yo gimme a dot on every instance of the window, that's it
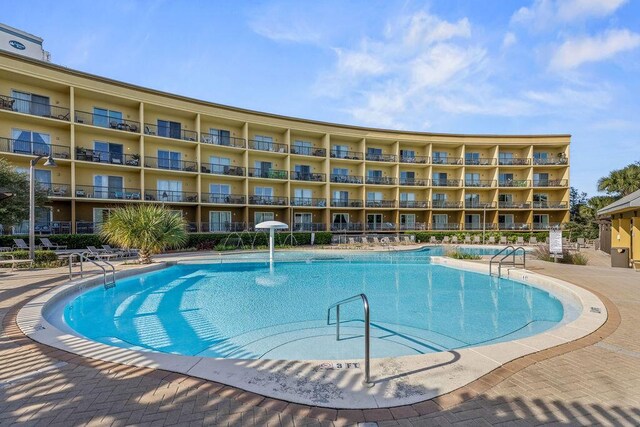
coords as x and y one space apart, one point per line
169 191
108 187
374 153
262 142
407 197
169 159
407 154
100 215
340 151
540 158
219 220
472 158
408 221
540 200
471 179
471 200
374 221
219 164
30 103
540 179
28 142
505 158
302 197
108 152
340 198
169 129
302 172
341 171
440 221
263 191
506 179
219 137
541 220
472 222
106 118
302 147
374 195
339 221
263 216
374 174
439 157
302 221
407 177
219 193
440 179
506 219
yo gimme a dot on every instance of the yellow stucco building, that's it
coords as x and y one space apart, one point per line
226 168
625 225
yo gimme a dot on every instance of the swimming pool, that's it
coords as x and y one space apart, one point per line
243 310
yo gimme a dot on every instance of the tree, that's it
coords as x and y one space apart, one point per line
15 209
576 200
621 182
149 228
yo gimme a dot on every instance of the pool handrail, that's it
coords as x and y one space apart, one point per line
367 330
513 262
84 256
495 256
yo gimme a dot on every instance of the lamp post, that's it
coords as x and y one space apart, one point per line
484 220
32 200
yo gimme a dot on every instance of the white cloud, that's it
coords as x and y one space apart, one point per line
546 13
575 52
283 24
359 62
443 63
509 40
427 29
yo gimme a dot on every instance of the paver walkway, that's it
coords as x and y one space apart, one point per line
596 384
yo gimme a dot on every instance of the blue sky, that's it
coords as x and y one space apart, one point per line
534 66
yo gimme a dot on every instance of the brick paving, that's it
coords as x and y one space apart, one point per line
594 381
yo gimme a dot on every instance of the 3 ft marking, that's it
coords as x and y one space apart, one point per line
340 365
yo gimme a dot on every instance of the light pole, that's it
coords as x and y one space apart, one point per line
484 220
32 200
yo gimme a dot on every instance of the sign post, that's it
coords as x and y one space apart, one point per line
555 244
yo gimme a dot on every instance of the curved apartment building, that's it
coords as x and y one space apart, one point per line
226 168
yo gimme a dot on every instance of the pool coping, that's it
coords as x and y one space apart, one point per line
399 381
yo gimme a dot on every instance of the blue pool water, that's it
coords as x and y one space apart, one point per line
244 310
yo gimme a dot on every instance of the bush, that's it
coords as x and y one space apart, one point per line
425 236
71 241
462 255
208 241
43 259
576 258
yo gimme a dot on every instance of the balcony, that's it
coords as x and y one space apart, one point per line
414 204
348 155
268 200
167 132
268 173
346 179
478 226
308 201
479 205
222 227
106 193
414 226
55 190
415 159
306 176
516 226
447 161
222 140
382 226
547 226
34 108
414 181
550 182
43 227
309 226
480 183
550 205
347 226
553 161
446 182
87 227
309 151
381 180
445 204
221 169
381 157
17 146
480 162
380 204
176 165
167 196
106 121
346 203
514 205
514 183
221 198
108 157
514 162
445 226
273 147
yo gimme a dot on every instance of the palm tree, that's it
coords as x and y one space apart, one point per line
621 182
149 228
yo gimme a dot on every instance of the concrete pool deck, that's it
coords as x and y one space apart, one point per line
120 394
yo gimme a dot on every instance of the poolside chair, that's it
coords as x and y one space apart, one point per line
533 240
467 239
100 254
445 240
120 252
581 243
520 240
454 240
476 240
396 240
47 244
503 240
20 244
10 260
407 240
433 240
492 240
375 241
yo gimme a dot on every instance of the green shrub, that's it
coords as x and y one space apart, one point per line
542 253
71 241
462 255
42 259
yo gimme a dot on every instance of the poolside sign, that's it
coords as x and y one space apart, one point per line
555 243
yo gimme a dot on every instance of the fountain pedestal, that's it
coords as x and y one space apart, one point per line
272 226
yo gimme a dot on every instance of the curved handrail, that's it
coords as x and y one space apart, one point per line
83 256
367 332
513 253
495 256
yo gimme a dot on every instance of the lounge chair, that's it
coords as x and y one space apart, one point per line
520 240
407 240
20 244
120 252
9 259
100 254
467 239
533 240
492 240
454 240
396 240
581 243
433 240
503 240
476 240
47 244
375 241
445 240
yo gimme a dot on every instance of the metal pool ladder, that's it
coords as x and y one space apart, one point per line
84 256
367 330
513 262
